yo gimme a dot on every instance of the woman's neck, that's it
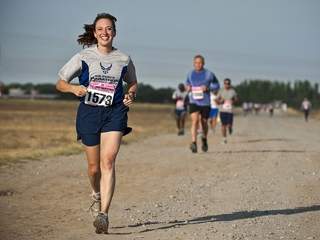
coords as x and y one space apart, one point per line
105 49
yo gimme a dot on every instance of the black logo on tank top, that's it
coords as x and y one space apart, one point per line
105 70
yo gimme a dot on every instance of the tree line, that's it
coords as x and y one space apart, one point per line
292 93
261 91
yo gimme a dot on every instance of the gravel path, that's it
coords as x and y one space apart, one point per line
263 184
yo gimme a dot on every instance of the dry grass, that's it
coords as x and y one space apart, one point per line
314 114
35 129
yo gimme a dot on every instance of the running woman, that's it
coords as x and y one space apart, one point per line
102 114
306 106
199 83
214 107
227 96
179 96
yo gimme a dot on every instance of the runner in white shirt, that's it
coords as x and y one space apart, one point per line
179 96
306 106
214 107
102 113
245 108
226 98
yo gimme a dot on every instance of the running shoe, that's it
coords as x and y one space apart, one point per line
180 132
193 147
101 223
204 145
95 204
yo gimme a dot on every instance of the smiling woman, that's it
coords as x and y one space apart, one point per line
102 113
93 31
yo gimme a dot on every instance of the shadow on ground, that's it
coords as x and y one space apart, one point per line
226 217
267 140
261 151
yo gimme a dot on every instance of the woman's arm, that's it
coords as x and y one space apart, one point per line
65 87
68 72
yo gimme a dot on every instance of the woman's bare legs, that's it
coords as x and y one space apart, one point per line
110 144
94 173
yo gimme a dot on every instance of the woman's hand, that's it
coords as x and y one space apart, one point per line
79 91
131 95
128 99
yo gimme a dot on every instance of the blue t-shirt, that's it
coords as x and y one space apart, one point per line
203 78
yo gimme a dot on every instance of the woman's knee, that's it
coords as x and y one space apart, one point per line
93 169
107 163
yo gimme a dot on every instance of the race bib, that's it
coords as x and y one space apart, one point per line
227 105
197 93
100 94
180 104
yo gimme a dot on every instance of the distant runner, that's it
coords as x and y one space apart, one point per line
214 107
270 109
245 108
199 82
226 98
179 96
257 108
306 107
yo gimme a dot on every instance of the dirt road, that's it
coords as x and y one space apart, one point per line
264 184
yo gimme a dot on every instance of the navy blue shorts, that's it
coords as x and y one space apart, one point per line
93 120
226 118
180 112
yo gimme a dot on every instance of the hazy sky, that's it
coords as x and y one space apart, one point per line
270 39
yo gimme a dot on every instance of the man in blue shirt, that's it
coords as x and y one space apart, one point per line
199 83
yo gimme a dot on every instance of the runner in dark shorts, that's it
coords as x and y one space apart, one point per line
180 97
214 108
306 106
227 96
199 83
102 113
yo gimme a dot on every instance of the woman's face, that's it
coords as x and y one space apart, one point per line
104 32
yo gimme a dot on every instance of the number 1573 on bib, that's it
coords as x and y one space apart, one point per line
98 98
